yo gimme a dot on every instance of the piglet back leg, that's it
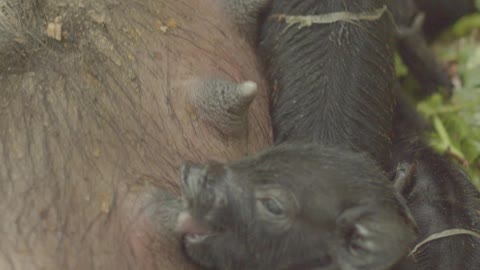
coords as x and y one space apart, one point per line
430 73
414 50
422 62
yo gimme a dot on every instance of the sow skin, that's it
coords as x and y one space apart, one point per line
94 125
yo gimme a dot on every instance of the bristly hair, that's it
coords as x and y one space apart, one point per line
334 82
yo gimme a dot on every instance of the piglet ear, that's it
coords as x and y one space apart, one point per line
374 237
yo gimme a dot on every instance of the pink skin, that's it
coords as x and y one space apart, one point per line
90 138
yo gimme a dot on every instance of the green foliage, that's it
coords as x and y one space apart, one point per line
456 129
456 122
465 25
400 68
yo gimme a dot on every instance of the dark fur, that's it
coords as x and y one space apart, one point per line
440 196
333 82
324 212
443 13
430 73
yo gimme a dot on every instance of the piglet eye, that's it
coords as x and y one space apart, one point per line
273 206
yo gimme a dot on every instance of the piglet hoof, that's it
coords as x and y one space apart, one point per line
224 104
245 15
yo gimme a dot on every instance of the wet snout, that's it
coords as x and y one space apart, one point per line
204 200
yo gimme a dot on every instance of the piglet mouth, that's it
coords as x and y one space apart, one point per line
202 201
192 230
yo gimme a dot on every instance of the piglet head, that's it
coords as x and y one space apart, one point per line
293 207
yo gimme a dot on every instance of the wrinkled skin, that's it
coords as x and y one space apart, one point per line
93 129
332 82
430 73
289 207
440 196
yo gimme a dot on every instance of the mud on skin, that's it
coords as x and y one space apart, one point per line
94 127
289 207
332 82
440 196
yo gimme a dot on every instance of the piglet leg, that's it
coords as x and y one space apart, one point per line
421 61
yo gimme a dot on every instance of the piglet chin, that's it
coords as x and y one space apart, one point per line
193 231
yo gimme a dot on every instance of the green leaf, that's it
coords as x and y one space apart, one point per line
400 67
466 25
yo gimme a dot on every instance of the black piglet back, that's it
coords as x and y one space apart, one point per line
332 82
